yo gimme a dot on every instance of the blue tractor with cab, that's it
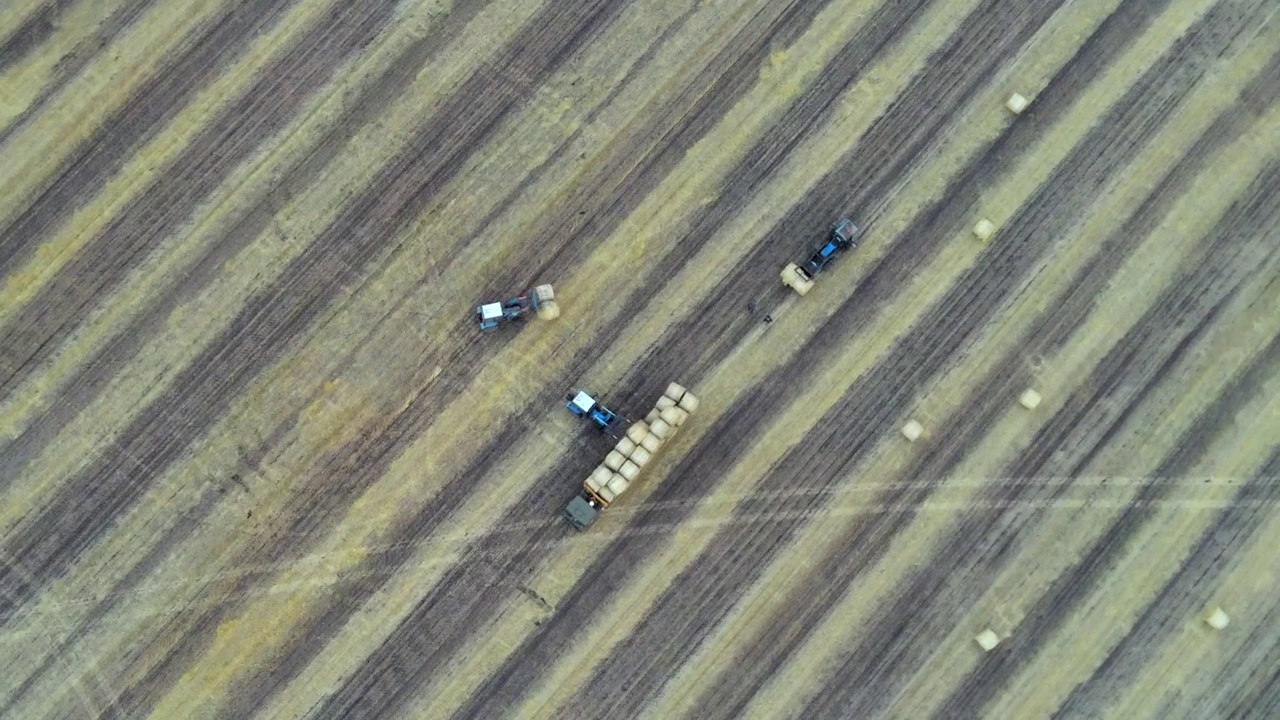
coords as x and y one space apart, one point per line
844 236
584 406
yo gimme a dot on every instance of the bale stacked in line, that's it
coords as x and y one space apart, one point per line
643 439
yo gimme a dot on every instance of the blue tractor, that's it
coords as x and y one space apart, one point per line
844 236
540 301
585 406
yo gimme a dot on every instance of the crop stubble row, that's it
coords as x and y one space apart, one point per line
672 625
447 618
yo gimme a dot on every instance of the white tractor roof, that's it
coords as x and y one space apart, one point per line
584 401
490 311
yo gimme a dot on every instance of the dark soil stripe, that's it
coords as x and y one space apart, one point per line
168 203
542 503
688 625
1256 693
184 527
813 598
352 469
70 65
95 374
440 150
31 33
88 504
1185 593
210 48
525 665
988 538
1174 603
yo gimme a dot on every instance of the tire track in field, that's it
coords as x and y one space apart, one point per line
70 65
867 177
499 545
1254 501
404 199
763 657
212 48
170 539
1090 175
95 374
87 505
985 541
354 467
364 462
1051 334
489 693
542 501
536 506
206 161
1188 588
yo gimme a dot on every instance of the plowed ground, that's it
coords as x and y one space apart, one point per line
256 460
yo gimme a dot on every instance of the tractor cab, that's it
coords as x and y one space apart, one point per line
843 237
585 406
491 315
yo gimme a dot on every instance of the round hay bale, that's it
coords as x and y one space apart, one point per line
988 640
599 477
637 431
1029 399
912 430
651 443
617 485
689 403
661 428
1218 619
614 460
629 470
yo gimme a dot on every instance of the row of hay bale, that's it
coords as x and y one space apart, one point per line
640 443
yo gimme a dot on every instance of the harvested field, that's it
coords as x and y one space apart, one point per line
257 460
